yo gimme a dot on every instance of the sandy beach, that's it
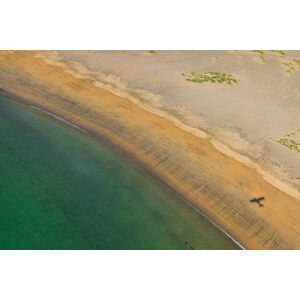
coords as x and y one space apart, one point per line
215 169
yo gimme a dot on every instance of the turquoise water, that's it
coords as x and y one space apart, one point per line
61 190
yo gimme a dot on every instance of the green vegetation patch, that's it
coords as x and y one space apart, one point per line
288 142
258 51
213 77
281 52
261 55
297 61
152 51
291 144
291 66
262 59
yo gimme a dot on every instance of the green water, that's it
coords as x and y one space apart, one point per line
61 190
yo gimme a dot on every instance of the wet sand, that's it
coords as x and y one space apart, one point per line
213 182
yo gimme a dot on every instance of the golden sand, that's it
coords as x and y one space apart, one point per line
216 184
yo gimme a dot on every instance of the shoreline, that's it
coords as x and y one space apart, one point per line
207 179
60 119
135 211
177 195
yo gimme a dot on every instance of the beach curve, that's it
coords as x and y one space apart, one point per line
221 194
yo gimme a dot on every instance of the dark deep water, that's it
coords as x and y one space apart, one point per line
61 190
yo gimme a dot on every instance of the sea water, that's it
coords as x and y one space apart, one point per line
59 189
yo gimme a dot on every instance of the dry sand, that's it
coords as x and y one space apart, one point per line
246 118
187 158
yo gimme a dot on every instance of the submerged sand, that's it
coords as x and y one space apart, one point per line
186 158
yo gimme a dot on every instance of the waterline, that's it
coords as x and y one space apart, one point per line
62 190
60 119
193 207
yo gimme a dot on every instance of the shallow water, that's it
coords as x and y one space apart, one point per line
61 190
